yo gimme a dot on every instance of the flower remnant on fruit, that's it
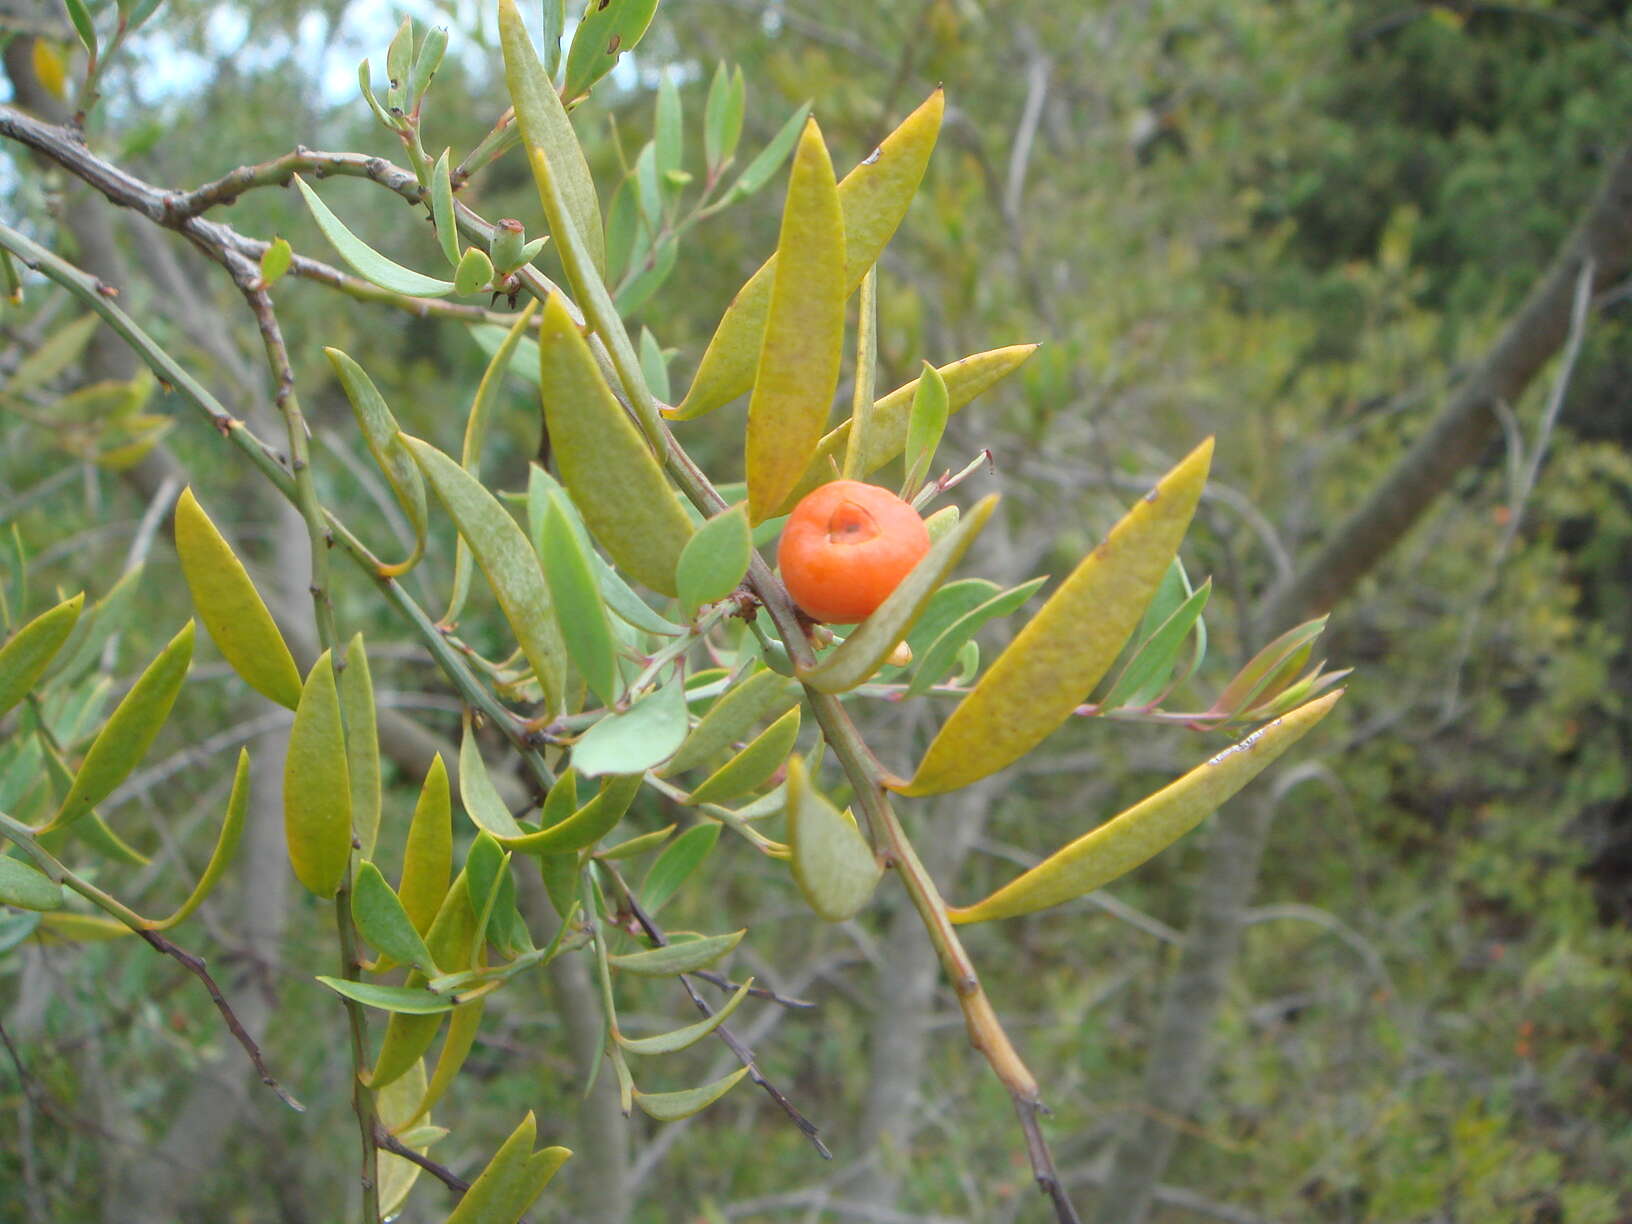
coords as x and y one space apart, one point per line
846 546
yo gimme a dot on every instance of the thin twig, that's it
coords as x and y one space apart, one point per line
386 1141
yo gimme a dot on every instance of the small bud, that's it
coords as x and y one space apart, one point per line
509 238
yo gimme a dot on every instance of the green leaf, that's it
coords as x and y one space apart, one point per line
1146 676
60 349
587 825
890 417
653 364
426 62
676 864
233 612
674 958
394 1107
14 928
644 735
714 560
83 25
635 846
463 1027
873 199
608 29
930 408
942 653
481 800
427 860
833 865
610 472
684 1038
399 56
769 160
579 609
864 651
753 766
508 562
722 117
364 259
555 24
383 438
673 1106
474 273
668 127
1057 658
226 845
470 456
804 332
1149 827
365 86
655 269
557 158
384 922
317 786
759 696
275 261
130 730
26 888
362 745
27 653
447 229
402 1000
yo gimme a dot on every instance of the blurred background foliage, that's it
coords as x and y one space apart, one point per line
1293 223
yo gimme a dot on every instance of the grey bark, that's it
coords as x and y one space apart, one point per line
1178 1063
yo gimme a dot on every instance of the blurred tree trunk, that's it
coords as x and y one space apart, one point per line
1177 1065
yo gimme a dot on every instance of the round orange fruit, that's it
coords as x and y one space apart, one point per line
846 546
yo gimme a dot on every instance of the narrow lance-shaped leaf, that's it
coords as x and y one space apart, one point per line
803 341
675 958
674 1106
364 259
865 650
873 198
579 609
714 560
753 766
833 865
546 129
394 1107
690 1035
1147 673
447 230
384 441
722 117
1057 658
29 651
890 417
762 695
930 408
317 786
130 730
1252 678
616 483
644 735
506 559
90 828
943 650
410 1034
233 612
676 864
427 861
226 845
1144 830
362 745
384 922
413 1001
483 805
470 455
59 350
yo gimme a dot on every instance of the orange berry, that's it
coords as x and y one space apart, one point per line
846 546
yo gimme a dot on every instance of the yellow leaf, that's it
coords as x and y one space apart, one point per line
51 67
1150 826
1065 650
232 610
626 501
873 199
804 332
317 786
